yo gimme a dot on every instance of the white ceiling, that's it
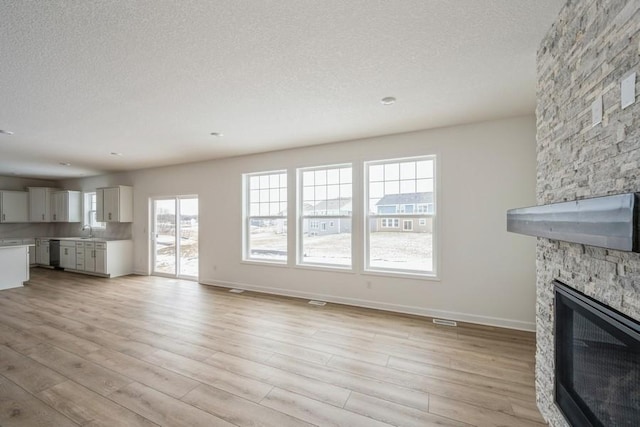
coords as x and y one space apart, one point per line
153 78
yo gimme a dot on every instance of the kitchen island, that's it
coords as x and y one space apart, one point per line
14 266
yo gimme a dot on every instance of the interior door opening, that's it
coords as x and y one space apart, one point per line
175 237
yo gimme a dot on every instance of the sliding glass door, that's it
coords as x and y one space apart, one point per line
175 236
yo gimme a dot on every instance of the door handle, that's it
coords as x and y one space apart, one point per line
43 217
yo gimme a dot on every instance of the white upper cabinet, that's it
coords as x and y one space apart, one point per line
66 206
40 204
114 204
14 206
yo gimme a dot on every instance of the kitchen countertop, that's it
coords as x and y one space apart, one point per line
87 239
17 242
30 241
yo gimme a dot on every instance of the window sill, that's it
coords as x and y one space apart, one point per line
329 268
264 263
404 275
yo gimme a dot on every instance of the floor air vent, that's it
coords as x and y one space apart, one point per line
318 303
236 291
444 322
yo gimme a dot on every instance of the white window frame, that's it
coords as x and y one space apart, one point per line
246 249
316 218
87 218
429 212
389 223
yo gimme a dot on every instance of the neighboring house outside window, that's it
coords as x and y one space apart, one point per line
400 192
419 203
325 209
265 225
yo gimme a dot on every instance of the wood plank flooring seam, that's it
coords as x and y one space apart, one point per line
336 407
105 397
347 400
36 397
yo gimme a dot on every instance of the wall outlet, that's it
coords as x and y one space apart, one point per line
368 284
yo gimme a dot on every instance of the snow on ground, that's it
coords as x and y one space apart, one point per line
389 250
395 250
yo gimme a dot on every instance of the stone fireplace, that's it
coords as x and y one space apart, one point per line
592 47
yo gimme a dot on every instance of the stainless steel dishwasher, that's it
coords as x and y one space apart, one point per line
54 253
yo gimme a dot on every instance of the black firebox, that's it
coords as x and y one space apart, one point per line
597 362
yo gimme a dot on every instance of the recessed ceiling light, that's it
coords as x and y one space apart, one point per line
216 134
65 163
6 132
113 153
388 100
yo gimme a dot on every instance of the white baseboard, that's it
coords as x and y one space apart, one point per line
140 272
397 308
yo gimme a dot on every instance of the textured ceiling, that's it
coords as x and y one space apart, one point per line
152 79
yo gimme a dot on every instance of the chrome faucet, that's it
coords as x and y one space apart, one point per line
84 227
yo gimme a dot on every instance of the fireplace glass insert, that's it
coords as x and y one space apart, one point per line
597 380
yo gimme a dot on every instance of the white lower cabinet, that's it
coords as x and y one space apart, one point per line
110 259
32 254
89 257
42 251
80 265
68 254
100 254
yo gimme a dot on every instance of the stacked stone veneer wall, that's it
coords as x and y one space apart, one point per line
591 47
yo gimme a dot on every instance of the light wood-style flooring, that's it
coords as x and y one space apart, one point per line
80 350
